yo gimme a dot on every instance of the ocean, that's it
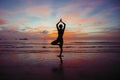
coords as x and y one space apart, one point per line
70 46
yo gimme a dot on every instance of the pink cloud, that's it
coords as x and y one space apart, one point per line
13 28
70 17
74 18
75 13
39 11
80 17
2 21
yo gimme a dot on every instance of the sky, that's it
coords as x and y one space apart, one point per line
36 19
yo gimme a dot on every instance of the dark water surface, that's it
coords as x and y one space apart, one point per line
36 60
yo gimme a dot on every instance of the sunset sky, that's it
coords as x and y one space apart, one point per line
85 19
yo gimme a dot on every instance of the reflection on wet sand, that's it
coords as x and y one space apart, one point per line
59 71
73 66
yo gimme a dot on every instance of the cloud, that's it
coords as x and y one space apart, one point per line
84 12
79 12
67 35
91 14
2 21
11 34
3 12
32 29
100 23
11 28
92 3
39 11
44 32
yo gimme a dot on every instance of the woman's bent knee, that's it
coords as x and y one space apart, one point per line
54 43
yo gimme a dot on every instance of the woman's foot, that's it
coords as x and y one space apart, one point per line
60 56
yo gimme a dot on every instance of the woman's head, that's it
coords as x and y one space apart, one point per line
60 26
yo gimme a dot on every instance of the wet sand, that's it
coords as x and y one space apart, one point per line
75 65
83 66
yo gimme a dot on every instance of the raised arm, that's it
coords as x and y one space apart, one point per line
64 25
57 25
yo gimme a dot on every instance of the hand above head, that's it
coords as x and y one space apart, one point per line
61 20
57 25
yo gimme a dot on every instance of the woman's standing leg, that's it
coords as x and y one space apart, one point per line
61 47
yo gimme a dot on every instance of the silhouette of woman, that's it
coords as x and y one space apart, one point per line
59 40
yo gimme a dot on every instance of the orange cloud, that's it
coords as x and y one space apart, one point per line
67 34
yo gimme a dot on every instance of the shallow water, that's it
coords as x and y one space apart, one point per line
36 60
38 46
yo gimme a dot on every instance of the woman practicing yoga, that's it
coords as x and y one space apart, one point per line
59 40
